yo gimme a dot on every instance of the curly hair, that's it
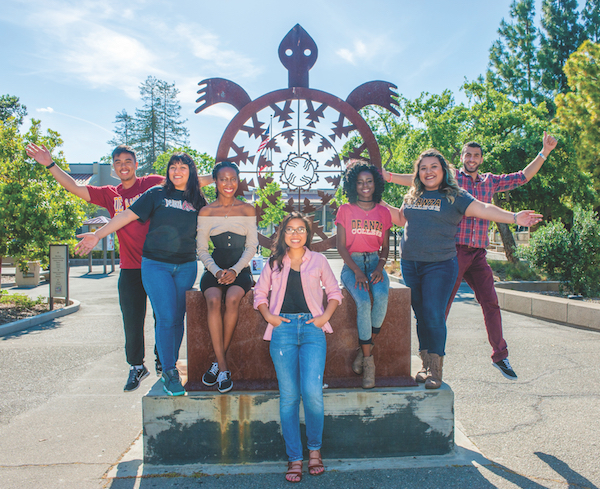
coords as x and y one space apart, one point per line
351 176
279 248
449 186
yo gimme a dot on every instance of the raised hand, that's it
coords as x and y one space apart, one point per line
39 154
549 142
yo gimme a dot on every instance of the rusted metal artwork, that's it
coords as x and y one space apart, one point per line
295 134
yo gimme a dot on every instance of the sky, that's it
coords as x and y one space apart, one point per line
76 64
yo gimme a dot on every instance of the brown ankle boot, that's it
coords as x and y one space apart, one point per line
422 374
357 364
436 363
368 381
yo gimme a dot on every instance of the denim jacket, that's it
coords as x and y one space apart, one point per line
314 271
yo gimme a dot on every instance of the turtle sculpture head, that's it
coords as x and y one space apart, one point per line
298 53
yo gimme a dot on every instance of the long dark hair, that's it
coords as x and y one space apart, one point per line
192 193
351 176
449 186
279 248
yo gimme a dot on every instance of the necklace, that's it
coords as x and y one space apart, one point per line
230 207
369 201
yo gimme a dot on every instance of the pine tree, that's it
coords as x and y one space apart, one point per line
157 126
561 36
591 20
10 107
513 65
124 130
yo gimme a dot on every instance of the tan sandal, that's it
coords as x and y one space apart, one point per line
294 471
315 463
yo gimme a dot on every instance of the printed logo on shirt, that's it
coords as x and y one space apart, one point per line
180 204
118 203
425 205
367 227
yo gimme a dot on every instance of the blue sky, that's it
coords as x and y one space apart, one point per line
76 64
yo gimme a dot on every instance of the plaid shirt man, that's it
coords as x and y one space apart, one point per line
473 232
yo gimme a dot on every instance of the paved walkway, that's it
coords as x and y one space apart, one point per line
65 421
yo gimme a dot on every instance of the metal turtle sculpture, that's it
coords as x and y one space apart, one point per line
286 125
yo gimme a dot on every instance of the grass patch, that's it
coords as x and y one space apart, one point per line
506 271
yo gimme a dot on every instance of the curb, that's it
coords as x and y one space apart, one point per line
572 313
565 311
22 324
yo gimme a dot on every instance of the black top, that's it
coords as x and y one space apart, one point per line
294 301
171 236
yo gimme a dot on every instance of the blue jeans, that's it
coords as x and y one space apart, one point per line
166 284
368 318
430 285
298 352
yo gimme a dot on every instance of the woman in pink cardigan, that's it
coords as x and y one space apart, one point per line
297 324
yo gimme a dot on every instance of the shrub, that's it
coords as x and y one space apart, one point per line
573 257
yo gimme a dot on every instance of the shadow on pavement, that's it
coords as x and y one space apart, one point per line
49 325
574 479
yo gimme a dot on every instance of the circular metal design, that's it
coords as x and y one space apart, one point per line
299 171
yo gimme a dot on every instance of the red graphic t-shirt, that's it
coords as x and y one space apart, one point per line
364 230
116 200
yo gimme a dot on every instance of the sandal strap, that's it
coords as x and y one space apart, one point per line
295 469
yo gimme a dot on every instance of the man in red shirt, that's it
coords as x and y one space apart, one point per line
132 296
472 238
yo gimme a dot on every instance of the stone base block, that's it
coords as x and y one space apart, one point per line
243 427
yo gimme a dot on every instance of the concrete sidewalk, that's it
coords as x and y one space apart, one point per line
65 421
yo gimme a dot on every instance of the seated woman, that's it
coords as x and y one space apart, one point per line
231 225
432 209
295 277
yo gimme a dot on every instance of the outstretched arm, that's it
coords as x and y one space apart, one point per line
89 240
397 214
397 178
492 213
43 157
549 143
205 180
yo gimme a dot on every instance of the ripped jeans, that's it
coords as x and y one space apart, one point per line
298 352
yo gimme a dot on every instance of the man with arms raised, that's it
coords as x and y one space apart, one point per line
132 296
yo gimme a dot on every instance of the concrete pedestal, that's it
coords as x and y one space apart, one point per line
243 427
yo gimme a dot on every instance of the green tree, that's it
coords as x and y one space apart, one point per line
513 65
578 111
269 206
156 127
10 107
591 20
124 129
561 36
569 255
35 210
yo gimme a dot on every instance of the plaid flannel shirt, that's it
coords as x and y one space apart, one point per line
472 231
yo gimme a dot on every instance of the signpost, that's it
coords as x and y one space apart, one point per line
59 273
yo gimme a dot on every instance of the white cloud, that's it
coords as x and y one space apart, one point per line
363 51
47 109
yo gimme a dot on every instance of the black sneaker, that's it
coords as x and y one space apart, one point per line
136 375
172 383
210 377
158 367
225 383
506 369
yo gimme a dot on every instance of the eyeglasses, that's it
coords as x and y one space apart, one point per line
300 230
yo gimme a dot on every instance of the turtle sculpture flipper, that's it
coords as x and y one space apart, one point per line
217 90
374 93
